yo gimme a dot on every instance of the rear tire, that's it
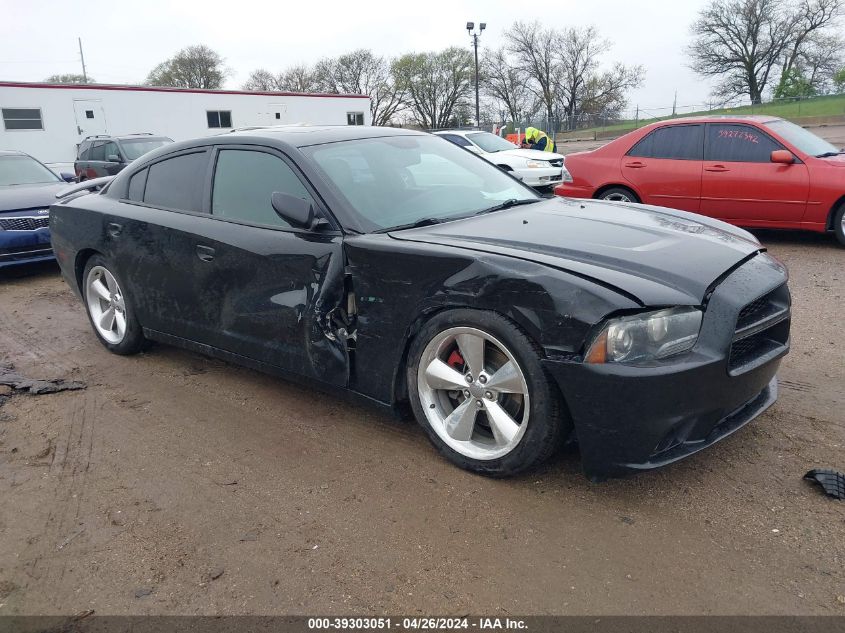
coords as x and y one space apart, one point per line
109 309
511 421
839 224
618 194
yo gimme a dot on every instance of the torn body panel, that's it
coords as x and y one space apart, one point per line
399 284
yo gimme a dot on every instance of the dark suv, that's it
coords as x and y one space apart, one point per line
106 155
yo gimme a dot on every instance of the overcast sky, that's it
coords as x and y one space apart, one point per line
123 40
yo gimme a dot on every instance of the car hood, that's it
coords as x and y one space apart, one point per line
656 255
528 154
26 197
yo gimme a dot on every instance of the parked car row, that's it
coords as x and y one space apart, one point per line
28 188
751 171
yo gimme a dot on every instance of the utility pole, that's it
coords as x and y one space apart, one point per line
675 105
475 36
82 57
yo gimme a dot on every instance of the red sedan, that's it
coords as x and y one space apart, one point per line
753 171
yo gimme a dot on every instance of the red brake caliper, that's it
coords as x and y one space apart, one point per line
456 361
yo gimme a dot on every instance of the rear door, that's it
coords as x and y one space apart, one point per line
154 238
741 183
665 166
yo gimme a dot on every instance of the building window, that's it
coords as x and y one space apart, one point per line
89 114
354 118
22 119
219 118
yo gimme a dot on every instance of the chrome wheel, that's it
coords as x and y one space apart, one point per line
617 196
473 392
106 305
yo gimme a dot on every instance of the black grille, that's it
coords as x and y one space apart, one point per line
762 331
24 224
557 162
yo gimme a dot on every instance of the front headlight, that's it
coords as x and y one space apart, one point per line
537 164
646 337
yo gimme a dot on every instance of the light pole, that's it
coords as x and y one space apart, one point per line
475 36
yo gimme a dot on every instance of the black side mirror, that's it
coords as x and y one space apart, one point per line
298 212
68 177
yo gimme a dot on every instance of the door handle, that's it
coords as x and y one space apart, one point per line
205 253
114 229
717 168
635 165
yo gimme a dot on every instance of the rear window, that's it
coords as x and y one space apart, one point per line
177 183
675 142
135 148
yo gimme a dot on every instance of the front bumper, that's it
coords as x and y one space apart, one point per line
25 247
541 176
634 418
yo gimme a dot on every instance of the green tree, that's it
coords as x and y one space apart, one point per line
192 67
70 78
437 83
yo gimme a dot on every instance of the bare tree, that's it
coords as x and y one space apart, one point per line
606 92
70 78
436 83
535 50
261 80
505 85
362 72
743 43
298 78
192 67
809 22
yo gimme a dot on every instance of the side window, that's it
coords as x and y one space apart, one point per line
110 150
245 180
676 142
177 183
739 144
457 140
136 186
84 150
97 151
354 118
219 118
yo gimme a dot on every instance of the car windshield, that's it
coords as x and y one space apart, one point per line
135 148
802 139
24 170
396 181
490 142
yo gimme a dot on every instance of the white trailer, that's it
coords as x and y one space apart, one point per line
48 121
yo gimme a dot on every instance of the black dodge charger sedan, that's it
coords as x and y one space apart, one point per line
397 267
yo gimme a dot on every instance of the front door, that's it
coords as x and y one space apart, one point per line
273 292
741 183
665 166
90 118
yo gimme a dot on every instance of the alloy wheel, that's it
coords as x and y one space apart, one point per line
617 196
474 393
106 304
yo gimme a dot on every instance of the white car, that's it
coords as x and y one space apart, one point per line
535 168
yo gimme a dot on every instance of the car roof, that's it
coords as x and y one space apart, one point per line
12 152
460 132
717 118
305 135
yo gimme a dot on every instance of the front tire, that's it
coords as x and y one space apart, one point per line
480 393
839 224
109 310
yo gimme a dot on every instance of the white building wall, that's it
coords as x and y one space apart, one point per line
178 114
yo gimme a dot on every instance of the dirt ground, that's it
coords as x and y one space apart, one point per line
175 484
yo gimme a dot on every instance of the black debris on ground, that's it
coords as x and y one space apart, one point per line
831 481
34 386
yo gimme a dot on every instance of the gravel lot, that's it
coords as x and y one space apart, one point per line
179 484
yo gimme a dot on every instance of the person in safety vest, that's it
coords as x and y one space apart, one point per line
537 139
